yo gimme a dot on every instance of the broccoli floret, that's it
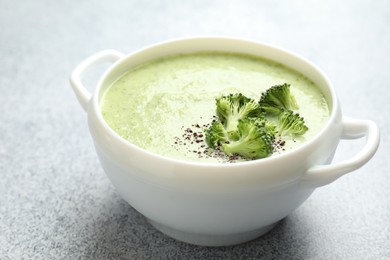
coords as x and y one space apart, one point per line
232 108
269 126
291 123
215 135
253 142
248 129
277 99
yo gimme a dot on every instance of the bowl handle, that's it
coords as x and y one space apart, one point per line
352 129
82 94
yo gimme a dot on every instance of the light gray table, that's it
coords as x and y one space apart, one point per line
55 200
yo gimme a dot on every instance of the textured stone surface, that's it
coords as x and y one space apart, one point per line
55 201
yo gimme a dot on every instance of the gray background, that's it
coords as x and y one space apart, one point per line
55 200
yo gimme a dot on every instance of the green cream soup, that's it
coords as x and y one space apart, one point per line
164 106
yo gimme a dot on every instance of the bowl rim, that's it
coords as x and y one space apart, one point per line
333 103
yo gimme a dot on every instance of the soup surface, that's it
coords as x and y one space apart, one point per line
164 105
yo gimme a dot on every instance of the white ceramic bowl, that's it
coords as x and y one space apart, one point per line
218 204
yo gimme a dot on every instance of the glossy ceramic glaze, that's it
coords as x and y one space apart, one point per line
219 204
